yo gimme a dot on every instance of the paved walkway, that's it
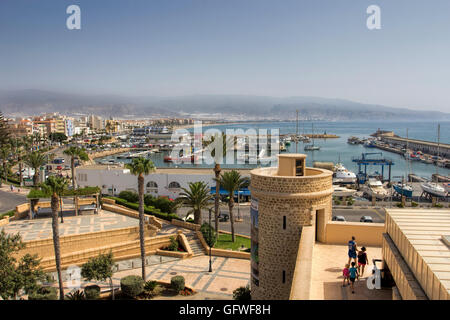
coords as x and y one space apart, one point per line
41 228
228 274
326 277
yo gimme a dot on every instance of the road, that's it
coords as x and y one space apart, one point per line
351 215
9 201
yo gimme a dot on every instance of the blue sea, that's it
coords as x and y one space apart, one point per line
333 150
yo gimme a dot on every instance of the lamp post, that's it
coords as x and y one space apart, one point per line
210 263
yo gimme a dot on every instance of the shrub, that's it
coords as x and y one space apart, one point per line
173 244
210 237
190 220
44 293
414 204
438 205
177 283
76 295
150 285
242 293
337 202
147 209
129 196
92 292
164 204
400 205
132 286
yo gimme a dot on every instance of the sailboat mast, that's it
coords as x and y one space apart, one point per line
296 135
438 138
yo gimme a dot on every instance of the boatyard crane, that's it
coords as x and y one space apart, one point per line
365 161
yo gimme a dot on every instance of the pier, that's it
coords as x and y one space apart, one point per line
420 145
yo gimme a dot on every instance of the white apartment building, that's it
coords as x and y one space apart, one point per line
112 179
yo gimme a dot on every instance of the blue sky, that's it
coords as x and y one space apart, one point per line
257 47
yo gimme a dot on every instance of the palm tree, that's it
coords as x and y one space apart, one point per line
232 181
75 153
35 160
56 187
225 141
5 152
140 167
20 149
197 197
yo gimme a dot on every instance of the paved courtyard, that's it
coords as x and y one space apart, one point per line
326 277
41 228
227 275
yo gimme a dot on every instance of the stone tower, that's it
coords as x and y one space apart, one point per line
284 200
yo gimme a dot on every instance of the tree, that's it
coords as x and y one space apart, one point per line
226 143
57 137
56 186
140 167
75 153
232 181
35 160
197 198
15 276
5 131
5 152
99 268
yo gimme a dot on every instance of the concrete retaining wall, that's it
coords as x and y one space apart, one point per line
366 234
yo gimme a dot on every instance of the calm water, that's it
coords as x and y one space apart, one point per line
333 149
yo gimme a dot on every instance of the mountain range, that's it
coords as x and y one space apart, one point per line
34 102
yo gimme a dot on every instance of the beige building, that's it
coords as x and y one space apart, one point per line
416 253
288 203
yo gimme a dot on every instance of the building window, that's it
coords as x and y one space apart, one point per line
152 184
174 185
284 276
284 222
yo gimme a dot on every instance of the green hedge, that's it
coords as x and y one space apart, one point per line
132 286
10 213
92 292
86 191
147 209
44 293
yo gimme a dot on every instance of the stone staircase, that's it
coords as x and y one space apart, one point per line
195 245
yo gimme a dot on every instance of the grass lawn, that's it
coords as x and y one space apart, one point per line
224 242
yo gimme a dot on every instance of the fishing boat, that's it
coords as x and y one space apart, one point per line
375 188
342 175
353 140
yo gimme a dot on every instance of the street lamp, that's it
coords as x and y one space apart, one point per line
210 263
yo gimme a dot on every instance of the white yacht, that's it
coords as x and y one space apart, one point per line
342 175
375 187
343 191
434 189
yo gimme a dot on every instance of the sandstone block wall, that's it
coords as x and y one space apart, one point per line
297 199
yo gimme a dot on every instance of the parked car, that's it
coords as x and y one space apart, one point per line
224 217
58 168
366 219
338 218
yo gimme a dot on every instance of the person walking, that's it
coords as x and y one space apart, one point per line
352 249
346 274
362 260
353 275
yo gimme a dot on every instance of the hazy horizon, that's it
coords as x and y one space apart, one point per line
260 48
